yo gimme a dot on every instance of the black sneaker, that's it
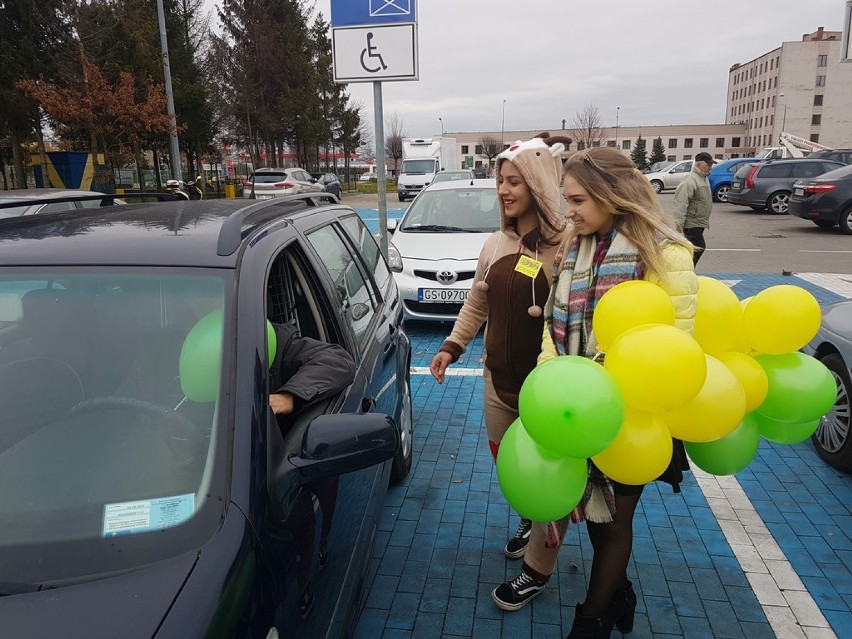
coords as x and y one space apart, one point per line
322 558
306 602
517 545
514 595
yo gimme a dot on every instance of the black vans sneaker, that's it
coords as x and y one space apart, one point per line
514 595
517 545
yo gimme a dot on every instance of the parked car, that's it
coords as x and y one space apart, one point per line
435 246
669 177
657 166
721 176
825 200
142 471
33 201
843 156
767 185
448 176
266 183
479 172
833 347
330 182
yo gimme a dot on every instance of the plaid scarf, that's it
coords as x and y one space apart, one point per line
590 267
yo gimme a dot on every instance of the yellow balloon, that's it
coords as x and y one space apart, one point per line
718 316
750 374
714 412
640 453
628 305
741 344
781 319
658 367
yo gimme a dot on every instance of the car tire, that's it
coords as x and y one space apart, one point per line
832 439
721 193
402 460
778 202
823 224
658 186
846 221
401 199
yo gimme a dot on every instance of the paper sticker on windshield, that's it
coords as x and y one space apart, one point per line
133 517
528 266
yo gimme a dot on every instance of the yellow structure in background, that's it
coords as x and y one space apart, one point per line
230 190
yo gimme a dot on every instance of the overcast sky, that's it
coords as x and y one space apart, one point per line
660 61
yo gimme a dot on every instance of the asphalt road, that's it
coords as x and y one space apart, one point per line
742 241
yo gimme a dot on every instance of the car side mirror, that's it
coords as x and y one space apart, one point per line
359 311
392 224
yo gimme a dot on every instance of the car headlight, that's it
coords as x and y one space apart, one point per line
394 258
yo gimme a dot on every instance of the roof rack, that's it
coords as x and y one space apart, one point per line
230 235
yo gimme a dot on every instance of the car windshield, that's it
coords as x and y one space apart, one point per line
13 211
268 178
107 440
454 210
418 166
448 176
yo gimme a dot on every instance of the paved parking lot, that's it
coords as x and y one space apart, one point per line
765 553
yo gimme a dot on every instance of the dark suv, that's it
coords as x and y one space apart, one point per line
843 156
146 488
767 185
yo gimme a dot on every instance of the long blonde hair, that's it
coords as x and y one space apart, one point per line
618 188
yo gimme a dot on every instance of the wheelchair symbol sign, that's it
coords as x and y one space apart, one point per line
375 53
371 60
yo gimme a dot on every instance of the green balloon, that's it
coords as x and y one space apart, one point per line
731 453
801 388
271 342
539 485
200 360
571 406
785 432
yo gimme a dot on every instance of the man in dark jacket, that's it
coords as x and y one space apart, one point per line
306 370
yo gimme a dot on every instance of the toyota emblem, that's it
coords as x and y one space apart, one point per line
447 277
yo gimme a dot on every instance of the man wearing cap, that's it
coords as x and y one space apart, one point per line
693 203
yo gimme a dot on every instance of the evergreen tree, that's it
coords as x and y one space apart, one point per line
658 152
639 154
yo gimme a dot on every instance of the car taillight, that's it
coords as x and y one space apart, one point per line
283 185
816 189
247 185
749 181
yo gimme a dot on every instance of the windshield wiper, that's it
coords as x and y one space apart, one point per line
437 227
8 588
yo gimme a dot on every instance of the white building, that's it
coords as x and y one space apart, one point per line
803 88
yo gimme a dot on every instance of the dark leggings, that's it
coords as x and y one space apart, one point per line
612 545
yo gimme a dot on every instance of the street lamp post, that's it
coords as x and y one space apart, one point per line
442 126
502 126
617 109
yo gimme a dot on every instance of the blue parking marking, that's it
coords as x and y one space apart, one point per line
371 217
439 554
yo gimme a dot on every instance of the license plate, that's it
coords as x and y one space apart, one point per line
263 197
799 192
438 295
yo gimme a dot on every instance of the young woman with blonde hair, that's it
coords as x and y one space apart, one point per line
621 233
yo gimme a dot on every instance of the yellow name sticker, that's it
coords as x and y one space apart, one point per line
528 266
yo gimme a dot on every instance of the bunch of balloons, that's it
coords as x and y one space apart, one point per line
737 378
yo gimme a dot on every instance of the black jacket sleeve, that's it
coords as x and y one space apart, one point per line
309 369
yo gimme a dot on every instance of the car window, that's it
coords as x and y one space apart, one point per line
779 170
465 210
56 207
135 348
828 166
808 169
302 176
370 252
14 211
351 285
683 167
268 177
735 167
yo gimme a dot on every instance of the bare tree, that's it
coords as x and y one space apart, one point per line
586 128
490 147
394 133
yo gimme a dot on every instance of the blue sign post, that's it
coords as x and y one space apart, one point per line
350 13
